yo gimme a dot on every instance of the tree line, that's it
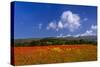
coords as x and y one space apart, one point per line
47 42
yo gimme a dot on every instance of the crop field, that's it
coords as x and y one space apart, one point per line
54 54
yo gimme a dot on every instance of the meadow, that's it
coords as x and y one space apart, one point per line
54 54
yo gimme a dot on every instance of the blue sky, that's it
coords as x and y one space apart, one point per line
36 20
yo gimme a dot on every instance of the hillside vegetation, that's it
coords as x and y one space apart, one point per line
54 41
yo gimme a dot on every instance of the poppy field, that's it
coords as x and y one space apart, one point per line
54 54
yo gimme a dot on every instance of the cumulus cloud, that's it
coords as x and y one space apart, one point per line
88 33
91 31
60 25
52 25
94 27
68 20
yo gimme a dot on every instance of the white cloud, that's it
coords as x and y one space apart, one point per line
94 27
40 26
52 25
68 20
91 31
60 25
88 33
61 35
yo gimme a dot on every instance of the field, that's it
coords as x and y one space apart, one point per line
54 54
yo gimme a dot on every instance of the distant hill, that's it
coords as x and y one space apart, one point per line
94 38
26 40
90 38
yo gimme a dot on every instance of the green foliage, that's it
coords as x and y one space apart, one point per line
21 44
47 42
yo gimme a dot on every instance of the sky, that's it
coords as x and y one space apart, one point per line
38 20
